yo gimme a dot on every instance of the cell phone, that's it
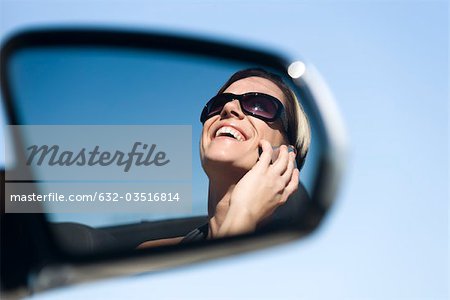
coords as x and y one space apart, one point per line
276 152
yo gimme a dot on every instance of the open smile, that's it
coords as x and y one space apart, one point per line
230 132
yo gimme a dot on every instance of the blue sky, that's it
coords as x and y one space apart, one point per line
387 65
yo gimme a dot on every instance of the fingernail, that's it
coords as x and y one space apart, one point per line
292 149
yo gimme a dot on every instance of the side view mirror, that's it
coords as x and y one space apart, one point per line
132 101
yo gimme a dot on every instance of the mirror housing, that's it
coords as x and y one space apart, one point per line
44 254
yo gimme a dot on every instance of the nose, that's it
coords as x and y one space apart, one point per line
232 109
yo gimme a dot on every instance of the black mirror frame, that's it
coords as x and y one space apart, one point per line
311 88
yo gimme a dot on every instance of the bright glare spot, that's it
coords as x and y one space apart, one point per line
296 69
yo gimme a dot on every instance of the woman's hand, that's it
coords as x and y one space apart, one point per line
265 187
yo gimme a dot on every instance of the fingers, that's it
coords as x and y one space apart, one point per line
283 165
292 186
280 165
266 155
290 168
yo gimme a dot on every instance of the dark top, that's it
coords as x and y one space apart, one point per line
284 215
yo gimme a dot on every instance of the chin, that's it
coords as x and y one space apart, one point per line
224 163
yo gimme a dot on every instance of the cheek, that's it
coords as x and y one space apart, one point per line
204 136
273 135
276 138
203 139
205 129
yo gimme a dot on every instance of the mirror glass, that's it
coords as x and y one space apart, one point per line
114 93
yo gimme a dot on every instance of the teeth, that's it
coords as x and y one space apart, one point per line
234 133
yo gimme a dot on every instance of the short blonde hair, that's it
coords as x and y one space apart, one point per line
298 130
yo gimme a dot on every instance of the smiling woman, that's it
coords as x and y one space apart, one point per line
253 112
255 134
244 189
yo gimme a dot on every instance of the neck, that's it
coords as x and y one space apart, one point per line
219 196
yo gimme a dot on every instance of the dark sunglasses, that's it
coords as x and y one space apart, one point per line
258 105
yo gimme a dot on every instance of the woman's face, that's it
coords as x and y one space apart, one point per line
217 148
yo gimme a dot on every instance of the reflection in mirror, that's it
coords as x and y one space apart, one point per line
234 176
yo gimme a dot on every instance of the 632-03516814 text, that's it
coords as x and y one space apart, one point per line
102 197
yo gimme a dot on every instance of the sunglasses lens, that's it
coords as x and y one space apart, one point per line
261 106
216 104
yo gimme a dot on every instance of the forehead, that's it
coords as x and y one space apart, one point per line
256 84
